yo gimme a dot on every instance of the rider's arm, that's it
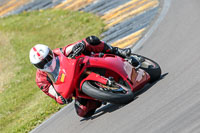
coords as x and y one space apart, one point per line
45 84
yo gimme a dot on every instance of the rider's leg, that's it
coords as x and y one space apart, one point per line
124 53
94 44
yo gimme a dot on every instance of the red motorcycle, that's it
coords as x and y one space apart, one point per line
102 77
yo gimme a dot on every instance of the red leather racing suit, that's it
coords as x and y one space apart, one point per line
82 106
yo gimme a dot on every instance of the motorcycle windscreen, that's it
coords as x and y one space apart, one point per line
53 75
63 76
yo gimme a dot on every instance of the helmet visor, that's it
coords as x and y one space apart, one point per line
50 65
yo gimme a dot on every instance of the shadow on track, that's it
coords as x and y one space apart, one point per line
112 107
104 109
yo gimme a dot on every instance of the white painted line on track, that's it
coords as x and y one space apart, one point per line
165 8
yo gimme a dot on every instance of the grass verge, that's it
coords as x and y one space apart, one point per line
22 105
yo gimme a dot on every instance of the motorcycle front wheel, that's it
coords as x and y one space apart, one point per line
116 94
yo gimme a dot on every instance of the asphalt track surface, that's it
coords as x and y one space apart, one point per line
171 105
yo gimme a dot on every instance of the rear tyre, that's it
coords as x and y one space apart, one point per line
116 94
151 67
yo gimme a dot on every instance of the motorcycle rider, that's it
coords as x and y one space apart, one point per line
43 59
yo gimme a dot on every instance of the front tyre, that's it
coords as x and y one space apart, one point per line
117 93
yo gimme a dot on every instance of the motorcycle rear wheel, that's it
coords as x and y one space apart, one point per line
151 67
120 95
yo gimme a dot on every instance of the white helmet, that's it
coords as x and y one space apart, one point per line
42 57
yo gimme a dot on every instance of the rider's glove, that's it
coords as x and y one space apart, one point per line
62 100
78 48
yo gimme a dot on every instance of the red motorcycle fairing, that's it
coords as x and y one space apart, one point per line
69 73
108 62
64 84
140 79
118 65
113 63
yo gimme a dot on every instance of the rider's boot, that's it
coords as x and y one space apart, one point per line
126 52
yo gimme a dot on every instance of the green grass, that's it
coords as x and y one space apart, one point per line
22 105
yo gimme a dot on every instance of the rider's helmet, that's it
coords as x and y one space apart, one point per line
42 57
